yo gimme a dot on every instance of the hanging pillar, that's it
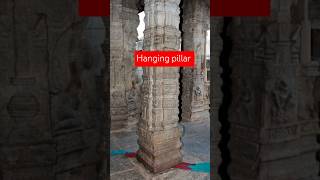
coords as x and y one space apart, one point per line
159 135
195 98
270 137
123 35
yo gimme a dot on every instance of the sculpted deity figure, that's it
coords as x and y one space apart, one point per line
244 102
282 102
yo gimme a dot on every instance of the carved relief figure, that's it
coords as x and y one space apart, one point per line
134 106
244 102
197 93
119 96
308 101
68 114
265 45
207 92
281 98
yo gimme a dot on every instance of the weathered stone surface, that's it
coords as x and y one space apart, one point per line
159 135
50 107
134 105
195 99
274 116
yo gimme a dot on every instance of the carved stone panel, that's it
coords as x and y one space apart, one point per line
273 121
48 91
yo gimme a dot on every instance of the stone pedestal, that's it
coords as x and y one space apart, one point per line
195 97
123 36
159 135
272 135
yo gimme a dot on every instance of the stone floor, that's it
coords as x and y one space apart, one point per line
196 149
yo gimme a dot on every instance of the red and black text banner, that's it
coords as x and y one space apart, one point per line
218 7
94 7
240 7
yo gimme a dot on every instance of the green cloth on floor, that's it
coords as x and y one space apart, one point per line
201 167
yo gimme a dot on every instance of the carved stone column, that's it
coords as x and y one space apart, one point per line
309 79
159 135
268 139
123 34
51 107
26 144
215 93
195 98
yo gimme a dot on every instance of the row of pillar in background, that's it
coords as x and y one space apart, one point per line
195 87
124 91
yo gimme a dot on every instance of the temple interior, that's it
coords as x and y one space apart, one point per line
248 110
162 111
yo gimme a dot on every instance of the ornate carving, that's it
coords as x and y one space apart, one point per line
134 106
244 102
159 136
23 106
123 38
50 107
195 23
282 103
197 91
272 93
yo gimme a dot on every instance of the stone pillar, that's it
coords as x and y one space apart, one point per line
123 36
309 79
159 135
270 139
195 97
216 94
27 147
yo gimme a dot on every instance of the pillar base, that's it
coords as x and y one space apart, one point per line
161 163
159 151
